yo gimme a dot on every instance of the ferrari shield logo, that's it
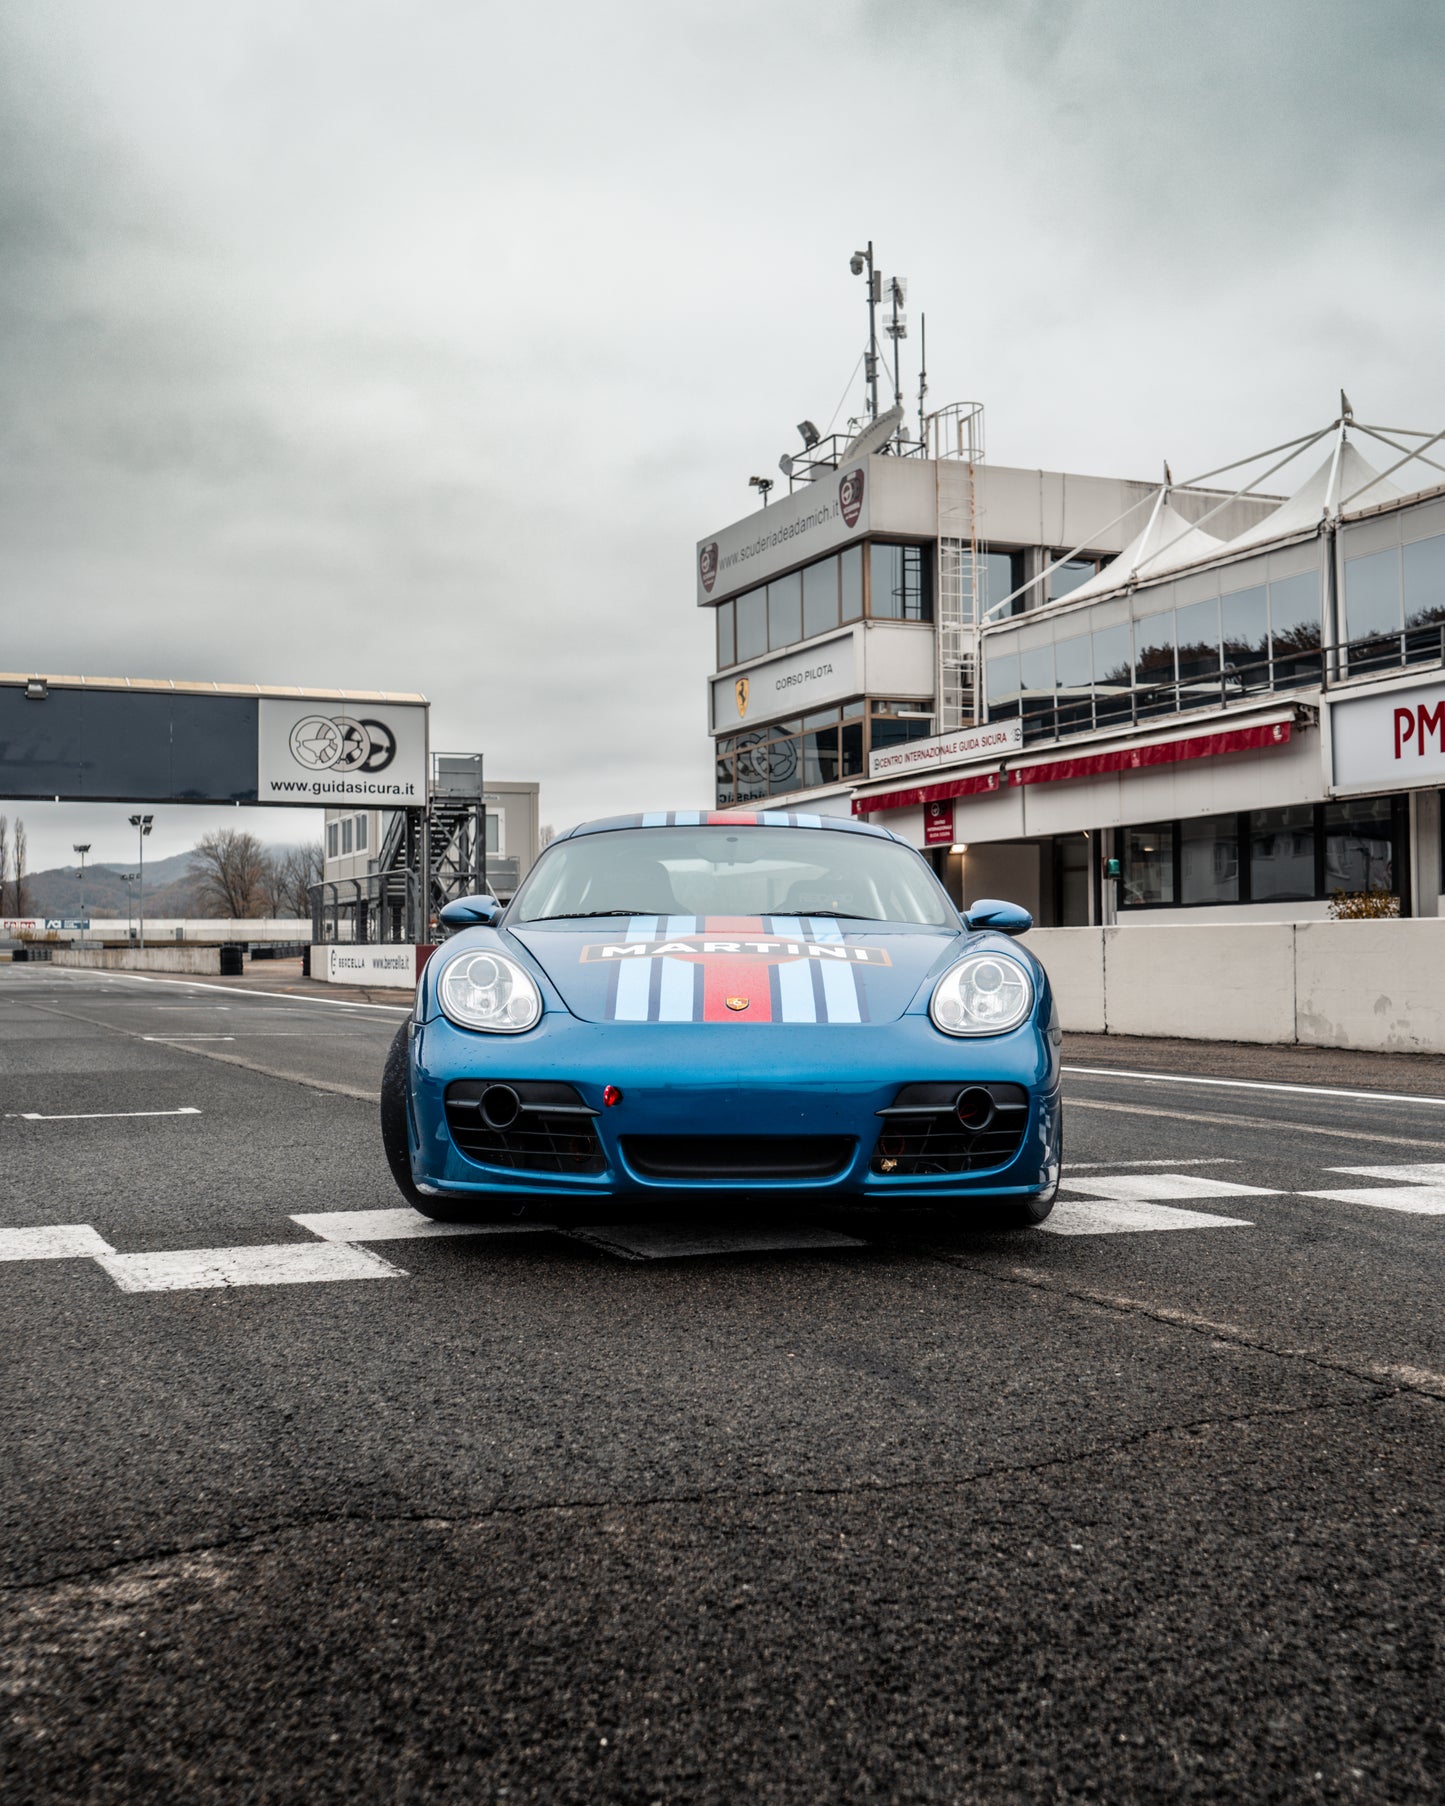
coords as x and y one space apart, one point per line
738 1003
740 690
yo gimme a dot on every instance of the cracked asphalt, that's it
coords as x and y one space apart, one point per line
945 1516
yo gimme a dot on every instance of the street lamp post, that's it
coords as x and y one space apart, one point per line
142 823
82 850
128 880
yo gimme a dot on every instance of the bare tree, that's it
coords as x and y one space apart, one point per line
4 860
19 889
228 867
301 868
273 883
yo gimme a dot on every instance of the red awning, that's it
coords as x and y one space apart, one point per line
927 793
1137 758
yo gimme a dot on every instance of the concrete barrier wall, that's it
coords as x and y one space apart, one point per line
198 961
1370 985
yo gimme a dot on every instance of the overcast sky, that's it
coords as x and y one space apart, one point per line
413 346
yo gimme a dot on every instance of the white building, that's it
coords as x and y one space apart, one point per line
1194 701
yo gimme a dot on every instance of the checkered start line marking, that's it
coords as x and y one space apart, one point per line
1109 1204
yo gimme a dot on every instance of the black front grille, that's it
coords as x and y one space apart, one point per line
552 1131
741 1157
921 1133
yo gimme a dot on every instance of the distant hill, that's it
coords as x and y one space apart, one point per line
170 891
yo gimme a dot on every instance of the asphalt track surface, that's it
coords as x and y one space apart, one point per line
1147 1507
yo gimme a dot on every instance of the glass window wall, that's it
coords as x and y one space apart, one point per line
1423 565
724 634
1373 609
1068 577
850 583
820 597
1359 845
1154 663
1294 629
1282 854
752 624
810 752
785 611
1244 623
898 588
1148 864
1209 860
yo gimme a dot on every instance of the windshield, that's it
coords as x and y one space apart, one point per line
732 871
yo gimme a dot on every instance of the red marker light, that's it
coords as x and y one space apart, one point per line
611 1095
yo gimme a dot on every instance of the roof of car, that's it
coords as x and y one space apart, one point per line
729 818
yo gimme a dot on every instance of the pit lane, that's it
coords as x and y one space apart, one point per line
883 1509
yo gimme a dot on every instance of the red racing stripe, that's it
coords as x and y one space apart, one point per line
726 977
729 818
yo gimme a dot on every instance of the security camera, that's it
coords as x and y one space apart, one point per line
856 262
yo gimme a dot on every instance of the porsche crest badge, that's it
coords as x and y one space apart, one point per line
737 1003
740 690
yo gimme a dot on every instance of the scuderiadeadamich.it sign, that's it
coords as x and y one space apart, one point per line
1391 740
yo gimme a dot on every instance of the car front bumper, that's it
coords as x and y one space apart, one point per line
743 1079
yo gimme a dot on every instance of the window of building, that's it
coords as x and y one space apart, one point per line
361 827
1209 860
752 624
1112 673
725 654
1244 625
1148 864
814 750
333 838
1359 845
1197 626
1373 609
1001 674
1154 663
820 597
850 583
1304 853
494 833
1294 629
898 587
1036 684
1423 565
346 834
785 611
1282 854
999 575
1069 576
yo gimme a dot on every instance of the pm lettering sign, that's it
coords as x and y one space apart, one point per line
1390 741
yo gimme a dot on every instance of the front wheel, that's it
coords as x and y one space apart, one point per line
395 1140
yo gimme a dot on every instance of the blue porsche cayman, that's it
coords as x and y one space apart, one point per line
693 1004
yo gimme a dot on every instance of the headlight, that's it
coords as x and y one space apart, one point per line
489 991
982 995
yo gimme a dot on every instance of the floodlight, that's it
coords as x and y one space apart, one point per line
810 434
77 848
761 484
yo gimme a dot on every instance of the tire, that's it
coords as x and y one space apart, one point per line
395 1142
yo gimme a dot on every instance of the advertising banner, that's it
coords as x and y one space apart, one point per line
373 965
789 685
332 753
988 742
938 824
813 520
1391 740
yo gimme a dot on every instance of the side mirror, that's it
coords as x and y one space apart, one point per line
1003 918
470 912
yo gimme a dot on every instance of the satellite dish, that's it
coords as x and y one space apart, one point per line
872 437
785 464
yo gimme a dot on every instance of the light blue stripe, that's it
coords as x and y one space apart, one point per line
674 998
634 977
790 928
688 818
840 992
807 821
820 929
657 818
795 991
775 818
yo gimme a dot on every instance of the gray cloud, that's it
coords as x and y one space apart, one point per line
414 346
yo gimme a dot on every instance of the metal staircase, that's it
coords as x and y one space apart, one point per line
955 439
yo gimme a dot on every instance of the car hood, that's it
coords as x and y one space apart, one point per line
736 968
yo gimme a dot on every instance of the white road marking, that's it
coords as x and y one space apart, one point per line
1089 1166
65 1241
329 1003
653 1241
1417 1172
188 1037
1412 1200
1180 1078
288 1263
1128 1218
98 1115
1161 1188
395 1225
